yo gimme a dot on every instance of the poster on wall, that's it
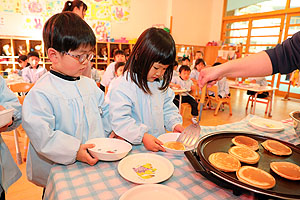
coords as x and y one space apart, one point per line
30 16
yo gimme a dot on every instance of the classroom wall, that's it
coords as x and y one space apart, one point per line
196 21
143 14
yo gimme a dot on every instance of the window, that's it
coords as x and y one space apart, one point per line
238 7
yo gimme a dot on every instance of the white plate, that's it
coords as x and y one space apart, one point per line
157 168
6 116
267 125
167 137
152 192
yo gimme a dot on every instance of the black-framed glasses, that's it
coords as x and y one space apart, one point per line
81 58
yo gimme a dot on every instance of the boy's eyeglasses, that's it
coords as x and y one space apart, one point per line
81 58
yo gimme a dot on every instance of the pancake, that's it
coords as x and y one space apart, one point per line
245 141
224 162
276 148
256 177
244 154
286 170
174 145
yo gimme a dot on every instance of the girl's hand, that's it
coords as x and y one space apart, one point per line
84 156
178 128
152 143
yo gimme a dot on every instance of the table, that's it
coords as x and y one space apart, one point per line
179 92
102 181
256 88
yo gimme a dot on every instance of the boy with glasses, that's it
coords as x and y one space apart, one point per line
64 109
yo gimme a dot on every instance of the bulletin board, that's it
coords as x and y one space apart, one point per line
26 17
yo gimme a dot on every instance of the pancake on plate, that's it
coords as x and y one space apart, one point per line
174 145
245 141
256 177
224 162
286 170
244 154
277 148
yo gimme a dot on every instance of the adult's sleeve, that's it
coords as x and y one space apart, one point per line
285 57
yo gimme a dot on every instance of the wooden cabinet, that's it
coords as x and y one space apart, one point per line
189 51
12 47
105 52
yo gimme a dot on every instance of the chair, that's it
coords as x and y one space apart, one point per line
21 89
253 99
218 100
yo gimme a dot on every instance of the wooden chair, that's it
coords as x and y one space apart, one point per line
21 89
253 99
218 100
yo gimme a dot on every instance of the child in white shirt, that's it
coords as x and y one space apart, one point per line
64 109
33 72
184 82
199 65
141 102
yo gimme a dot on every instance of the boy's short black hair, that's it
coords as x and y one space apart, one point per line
33 53
184 68
22 58
185 58
119 64
119 52
67 31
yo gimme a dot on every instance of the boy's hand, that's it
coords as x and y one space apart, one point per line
113 135
84 156
152 143
178 128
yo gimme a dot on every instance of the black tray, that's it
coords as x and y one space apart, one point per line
221 142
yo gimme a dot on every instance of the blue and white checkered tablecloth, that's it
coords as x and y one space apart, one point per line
102 181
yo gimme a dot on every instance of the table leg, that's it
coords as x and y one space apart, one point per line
180 99
271 102
18 152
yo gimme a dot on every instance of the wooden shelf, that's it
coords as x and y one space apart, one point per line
23 45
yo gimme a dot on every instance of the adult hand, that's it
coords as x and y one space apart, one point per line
208 75
152 143
84 156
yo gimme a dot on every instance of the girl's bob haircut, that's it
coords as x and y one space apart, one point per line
66 31
153 45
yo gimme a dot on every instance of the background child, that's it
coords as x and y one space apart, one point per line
141 104
64 109
262 81
184 61
33 72
109 73
175 71
119 68
198 55
95 75
184 82
9 171
199 65
223 87
23 62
